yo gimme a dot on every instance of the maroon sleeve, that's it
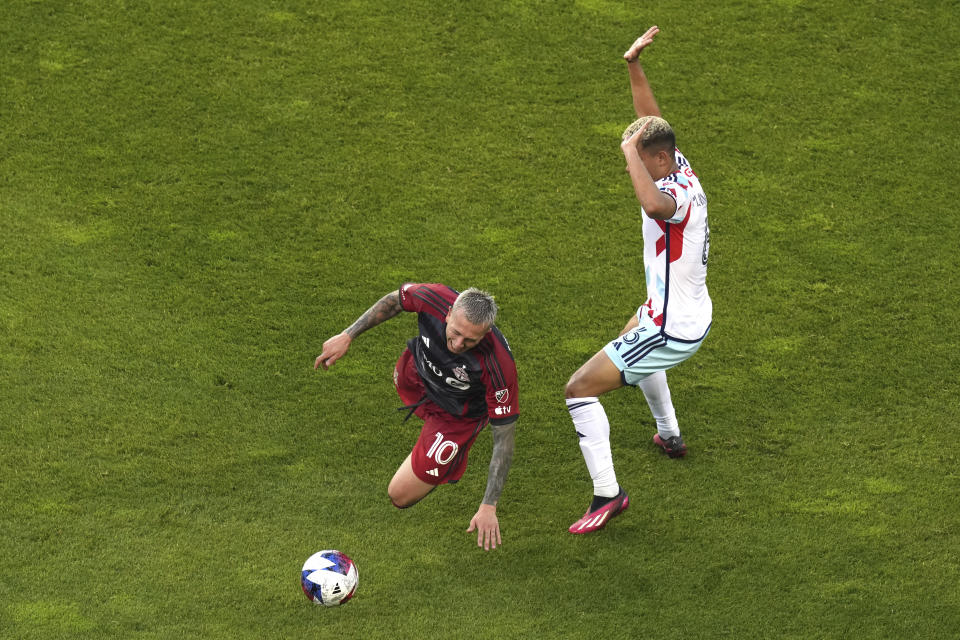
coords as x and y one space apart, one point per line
427 298
500 379
407 301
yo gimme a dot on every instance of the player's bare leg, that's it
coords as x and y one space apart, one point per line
596 377
406 489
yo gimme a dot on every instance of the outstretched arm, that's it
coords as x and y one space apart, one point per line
336 347
485 521
643 101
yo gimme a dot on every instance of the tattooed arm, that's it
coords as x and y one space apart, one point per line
336 347
500 459
485 521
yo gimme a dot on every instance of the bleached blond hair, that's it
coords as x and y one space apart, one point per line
658 136
478 307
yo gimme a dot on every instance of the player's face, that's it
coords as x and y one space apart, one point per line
461 334
659 164
649 161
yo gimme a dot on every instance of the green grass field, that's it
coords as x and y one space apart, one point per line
195 195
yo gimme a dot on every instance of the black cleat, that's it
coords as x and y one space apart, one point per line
672 446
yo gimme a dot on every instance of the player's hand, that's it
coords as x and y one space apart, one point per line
487 527
633 142
641 43
333 349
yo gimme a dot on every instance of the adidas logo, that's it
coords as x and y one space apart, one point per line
426 341
433 472
595 522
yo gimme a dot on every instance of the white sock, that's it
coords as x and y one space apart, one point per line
593 429
657 393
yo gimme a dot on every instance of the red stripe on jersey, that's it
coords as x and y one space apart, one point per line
676 236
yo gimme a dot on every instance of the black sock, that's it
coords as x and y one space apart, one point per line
599 501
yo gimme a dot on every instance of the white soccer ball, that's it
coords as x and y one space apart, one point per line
329 578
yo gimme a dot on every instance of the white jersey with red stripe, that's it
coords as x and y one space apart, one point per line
675 259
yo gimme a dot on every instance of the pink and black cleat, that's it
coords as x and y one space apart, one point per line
672 446
598 519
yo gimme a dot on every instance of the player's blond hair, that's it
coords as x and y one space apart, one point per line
658 136
478 307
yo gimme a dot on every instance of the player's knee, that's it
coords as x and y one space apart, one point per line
399 495
574 388
399 505
398 500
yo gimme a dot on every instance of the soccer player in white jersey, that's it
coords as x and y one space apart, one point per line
671 324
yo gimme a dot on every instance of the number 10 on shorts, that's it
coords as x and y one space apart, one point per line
442 450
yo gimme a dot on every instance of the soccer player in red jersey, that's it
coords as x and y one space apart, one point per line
457 375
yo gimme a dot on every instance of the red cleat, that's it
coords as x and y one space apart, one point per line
596 520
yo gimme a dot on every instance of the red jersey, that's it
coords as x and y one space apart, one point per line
481 381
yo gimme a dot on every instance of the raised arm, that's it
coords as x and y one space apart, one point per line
336 347
643 101
485 521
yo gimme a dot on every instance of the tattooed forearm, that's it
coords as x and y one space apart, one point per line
500 459
384 309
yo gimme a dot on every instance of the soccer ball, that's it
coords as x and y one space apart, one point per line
329 578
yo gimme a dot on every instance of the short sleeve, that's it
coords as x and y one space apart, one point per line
407 300
431 298
677 188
